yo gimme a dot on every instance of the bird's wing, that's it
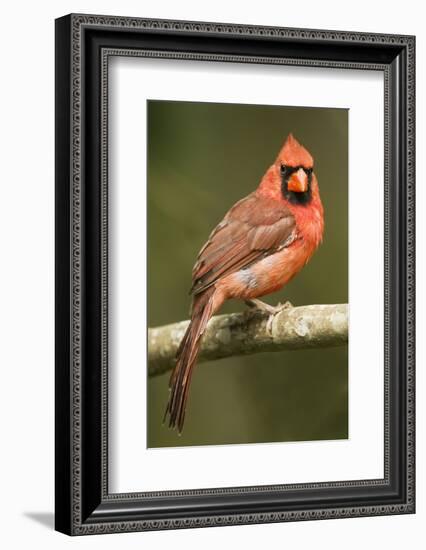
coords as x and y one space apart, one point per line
254 228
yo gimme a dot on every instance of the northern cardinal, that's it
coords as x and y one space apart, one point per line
260 245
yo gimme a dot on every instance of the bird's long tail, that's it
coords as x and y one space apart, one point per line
186 358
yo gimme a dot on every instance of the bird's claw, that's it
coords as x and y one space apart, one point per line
281 307
271 310
275 310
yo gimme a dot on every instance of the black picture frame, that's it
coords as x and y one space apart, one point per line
83 45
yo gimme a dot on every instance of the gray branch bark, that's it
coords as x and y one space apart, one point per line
313 326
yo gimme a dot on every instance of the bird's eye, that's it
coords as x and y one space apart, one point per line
283 168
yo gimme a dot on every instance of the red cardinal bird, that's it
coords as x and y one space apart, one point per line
260 245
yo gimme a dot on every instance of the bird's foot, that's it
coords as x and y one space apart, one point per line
271 310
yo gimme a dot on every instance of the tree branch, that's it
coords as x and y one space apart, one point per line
314 326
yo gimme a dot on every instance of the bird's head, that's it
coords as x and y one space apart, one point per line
295 165
291 178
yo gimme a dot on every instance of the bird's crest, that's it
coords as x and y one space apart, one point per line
294 154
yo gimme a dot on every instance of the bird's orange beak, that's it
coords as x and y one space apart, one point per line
298 181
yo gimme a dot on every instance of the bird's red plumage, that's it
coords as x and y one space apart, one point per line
260 245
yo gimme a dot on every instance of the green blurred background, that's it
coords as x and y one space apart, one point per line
202 158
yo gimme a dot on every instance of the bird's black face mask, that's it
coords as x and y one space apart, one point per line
294 178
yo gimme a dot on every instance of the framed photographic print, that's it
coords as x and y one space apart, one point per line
234 274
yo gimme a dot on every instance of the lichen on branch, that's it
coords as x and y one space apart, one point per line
304 327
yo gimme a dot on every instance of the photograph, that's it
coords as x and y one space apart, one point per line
247 209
